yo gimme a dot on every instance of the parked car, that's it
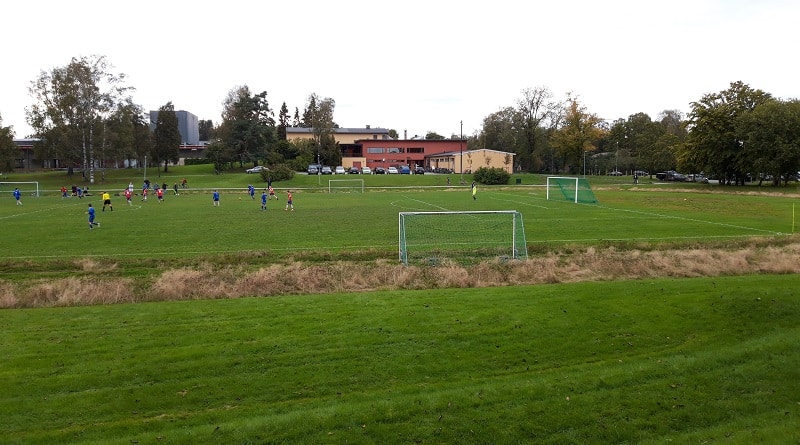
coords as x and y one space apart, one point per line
339 170
393 171
353 171
615 173
405 170
366 170
379 171
326 170
313 169
256 169
418 170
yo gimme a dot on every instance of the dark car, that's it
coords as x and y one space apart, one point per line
326 170
379 171
353 171
313 169
419 170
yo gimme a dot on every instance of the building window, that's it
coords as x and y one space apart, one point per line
374 150
416 150
394 150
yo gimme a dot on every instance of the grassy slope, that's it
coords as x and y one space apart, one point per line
688 361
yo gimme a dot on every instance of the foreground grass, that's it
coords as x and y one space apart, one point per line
685 361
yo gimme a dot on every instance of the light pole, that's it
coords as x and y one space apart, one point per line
584 163
461 150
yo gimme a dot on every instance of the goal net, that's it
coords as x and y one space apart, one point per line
29 188
345 185
461 237
576 190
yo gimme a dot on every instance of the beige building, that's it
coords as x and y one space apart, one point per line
340 135
471 160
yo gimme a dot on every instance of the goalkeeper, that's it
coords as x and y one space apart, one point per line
474 191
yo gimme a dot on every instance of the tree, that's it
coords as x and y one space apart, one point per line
580 133
206 130
432 135
123 128
248 124
8 149
318 116
535 110
283 122
771 138
71 105
713 142
166 137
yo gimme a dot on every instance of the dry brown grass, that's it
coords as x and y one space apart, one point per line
209 281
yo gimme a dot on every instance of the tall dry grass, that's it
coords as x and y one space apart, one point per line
208 281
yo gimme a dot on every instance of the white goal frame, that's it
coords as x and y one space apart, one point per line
2 183
571 178
331 182
516 225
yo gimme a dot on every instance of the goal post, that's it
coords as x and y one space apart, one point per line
569 188
461 237
27 188
345 185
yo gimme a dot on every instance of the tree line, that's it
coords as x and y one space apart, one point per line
84 116
734 135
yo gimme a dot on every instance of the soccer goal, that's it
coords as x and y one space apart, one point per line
345 185
461 237
29 188
577 190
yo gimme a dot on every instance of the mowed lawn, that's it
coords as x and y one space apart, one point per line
187 225
706 360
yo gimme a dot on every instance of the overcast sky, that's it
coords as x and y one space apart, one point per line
413 66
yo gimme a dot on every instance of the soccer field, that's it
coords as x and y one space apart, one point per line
188 225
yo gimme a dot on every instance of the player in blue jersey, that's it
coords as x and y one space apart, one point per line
18 196
90 212
215 198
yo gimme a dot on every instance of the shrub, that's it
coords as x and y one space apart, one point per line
492 176
280 172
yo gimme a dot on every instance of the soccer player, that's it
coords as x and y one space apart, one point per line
107 201
272 193
18 196
474 191
63 192
128 195
264 200
160 195
251 190
90 212
176 189
289 204
215 198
